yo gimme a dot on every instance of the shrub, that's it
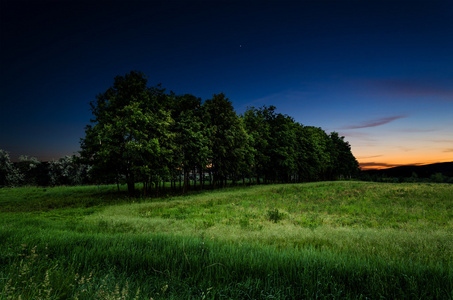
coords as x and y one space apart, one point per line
9 174
274 215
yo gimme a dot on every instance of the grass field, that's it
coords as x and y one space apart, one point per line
334 240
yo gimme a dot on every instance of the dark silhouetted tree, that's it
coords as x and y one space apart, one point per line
229 140
191 140
128 122
344 164
142 134
9 174
68 170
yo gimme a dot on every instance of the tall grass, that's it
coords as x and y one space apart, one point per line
281 241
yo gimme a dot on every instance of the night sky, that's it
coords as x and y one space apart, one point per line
378 72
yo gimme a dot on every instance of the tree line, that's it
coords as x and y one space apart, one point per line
142 134
29 171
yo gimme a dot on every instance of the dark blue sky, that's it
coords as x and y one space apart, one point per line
378 72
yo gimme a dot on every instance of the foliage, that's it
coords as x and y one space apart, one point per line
28 171
344 164
68 171
414 178
191 143
9 174
29 168
274 215
130 131
142 134
287 151
229 140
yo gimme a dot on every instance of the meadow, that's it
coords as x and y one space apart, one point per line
334 240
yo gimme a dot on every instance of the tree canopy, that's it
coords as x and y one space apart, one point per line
143 134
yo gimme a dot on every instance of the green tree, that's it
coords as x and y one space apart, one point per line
124 138
67 170
259 131
344 164
228 139
143 134
191 138
438 177
9 174
273 137
29 168
304 170
282 148
319 162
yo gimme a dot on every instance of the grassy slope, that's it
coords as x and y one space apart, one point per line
330 239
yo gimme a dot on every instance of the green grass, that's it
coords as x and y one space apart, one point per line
316 240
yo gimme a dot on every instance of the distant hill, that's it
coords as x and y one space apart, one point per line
423 171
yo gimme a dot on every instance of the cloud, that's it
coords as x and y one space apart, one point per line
374 123
368 157
448 150
406 149
413 88
376 165
416 130
381 165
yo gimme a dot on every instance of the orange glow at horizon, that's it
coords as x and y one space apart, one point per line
401 159
381 166
385 147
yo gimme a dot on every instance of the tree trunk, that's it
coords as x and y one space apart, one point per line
180 181
157 186
130 187
194 174
144 188
210 178
201 178
186 179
